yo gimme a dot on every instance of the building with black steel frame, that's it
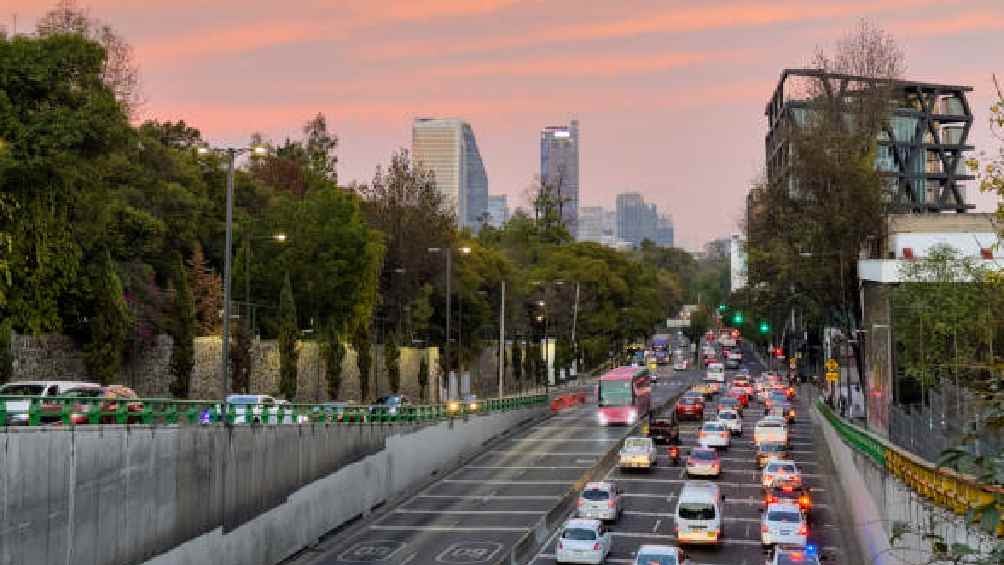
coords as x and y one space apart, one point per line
921 150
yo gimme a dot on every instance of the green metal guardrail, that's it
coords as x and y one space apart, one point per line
70 411
854 436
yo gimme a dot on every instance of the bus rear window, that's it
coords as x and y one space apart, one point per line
615 393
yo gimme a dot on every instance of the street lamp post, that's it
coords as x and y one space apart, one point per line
231 154
448 251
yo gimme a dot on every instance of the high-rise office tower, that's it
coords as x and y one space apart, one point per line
497 210
559 169
636 219
447 147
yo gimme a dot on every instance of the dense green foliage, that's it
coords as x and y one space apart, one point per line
333 351
392 359
288 335
182 332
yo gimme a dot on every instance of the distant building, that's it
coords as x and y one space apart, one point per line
636 219
447 146
590 223
664 231
737 262
559 169
497 210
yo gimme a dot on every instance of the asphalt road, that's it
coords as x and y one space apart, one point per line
650 498
477 513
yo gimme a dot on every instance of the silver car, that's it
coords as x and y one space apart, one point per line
600 501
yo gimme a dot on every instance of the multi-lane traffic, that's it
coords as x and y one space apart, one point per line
476 514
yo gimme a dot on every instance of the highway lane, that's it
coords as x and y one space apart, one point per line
477 513
650 498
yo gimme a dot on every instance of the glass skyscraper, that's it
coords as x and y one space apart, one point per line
559 169
448 148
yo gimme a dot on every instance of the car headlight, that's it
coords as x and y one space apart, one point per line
632 417
473 406
601 418
453 406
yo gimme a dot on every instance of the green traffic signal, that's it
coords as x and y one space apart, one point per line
738 318
723 307
764 327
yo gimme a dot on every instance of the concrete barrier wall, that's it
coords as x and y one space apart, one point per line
878 500
116 495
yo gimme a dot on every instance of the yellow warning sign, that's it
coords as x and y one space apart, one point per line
832 365
832 376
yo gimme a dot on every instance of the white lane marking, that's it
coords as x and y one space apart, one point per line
655 528
526 467
446 529
490 497
568 440
409 559
532 452
495 482
474 512
652 514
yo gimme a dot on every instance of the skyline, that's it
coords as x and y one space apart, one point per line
666 97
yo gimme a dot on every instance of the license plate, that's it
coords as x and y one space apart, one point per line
697 528
785 532
711 534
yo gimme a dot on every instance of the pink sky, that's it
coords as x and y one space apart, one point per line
669 94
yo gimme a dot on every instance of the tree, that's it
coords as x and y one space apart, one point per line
288 334
207 288
517 364
119 71
241 361
334 355
320 148
392 360
6 354
182 333
110 325
992 173
364 360
423 377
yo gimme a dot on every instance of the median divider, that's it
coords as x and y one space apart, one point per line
527 546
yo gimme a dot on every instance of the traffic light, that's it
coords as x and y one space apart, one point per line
764 326
722 308
737 318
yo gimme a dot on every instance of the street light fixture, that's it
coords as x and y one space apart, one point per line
231 154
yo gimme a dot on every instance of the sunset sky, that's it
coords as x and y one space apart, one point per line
669 95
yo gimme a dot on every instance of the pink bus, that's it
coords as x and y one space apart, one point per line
624 396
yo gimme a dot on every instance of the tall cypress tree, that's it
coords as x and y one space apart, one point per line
288 331
183 332
334 354
110 324
392 359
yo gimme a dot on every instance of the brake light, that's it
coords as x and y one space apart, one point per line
804 500
596 546
610 503
764 529
787 488
771 499
582 502
803 530
560 545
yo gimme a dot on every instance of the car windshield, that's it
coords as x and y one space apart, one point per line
786 516
696 511
655 559
704 454
596 494
82 392
243 400
727 416
774 468
615 393
637 443
713 427
578 534
772 447
691 400
22 390
770 425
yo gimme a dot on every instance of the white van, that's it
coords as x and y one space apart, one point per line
17 410
699 513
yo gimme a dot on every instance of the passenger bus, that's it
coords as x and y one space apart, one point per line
624 395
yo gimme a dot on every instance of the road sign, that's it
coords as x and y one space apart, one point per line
832 376
832 365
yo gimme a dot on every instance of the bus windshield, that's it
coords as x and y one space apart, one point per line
615 393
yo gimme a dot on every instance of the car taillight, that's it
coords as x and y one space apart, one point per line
596 546
610 503
804 500
724 434
764 529
787 488
582 502
560 545
803 530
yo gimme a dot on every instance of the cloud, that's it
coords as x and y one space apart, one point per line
958 24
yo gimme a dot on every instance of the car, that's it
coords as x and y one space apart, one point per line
730 403
389 404
788 491
112 404
600 500
785 523
780 469
715 373
660 555
714 434
637 453
740 395
690 408
731 362
664 428
770 450
699 513
76 412
770 428
17 409
794 555
330 411
732 420
775 397
703 461
583 541
705 389
252 408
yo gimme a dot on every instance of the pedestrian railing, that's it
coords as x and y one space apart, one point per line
75 411
956 492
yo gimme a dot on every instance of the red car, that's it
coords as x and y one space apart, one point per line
690 407
741 396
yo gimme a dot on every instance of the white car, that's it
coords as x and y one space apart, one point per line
583 541
638 453
17 410
714 434
703 461
780 469
732 420
699 513
771 429
794 555
660 555
600 501
785 523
